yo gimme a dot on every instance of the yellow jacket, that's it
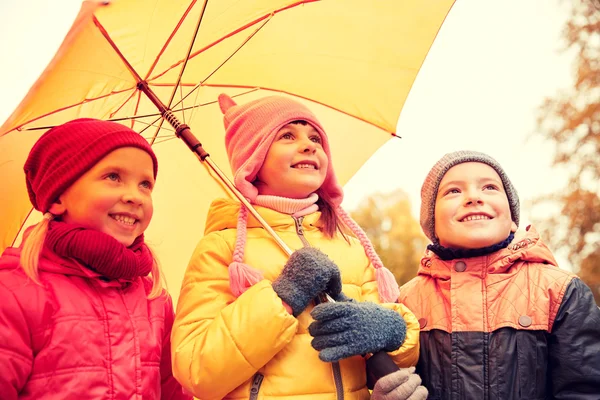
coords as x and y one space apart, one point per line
223 347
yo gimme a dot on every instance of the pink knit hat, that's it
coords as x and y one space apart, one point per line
250 129
67 151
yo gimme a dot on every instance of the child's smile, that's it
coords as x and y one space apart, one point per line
295 165
471 208
114 197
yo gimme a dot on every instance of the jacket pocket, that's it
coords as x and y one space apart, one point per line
532 359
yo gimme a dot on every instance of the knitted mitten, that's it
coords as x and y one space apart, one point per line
400 385
307 273
342 330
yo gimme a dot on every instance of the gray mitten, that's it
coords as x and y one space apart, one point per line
307 273
400 385
342 330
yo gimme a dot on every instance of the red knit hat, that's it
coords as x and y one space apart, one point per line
65 152
250 131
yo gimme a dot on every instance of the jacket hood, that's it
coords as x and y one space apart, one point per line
526 246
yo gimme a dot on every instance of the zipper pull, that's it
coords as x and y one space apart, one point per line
299 228
256 382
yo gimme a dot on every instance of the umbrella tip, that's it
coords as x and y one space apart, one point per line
225 102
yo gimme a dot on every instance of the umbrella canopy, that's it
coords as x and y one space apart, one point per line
352 62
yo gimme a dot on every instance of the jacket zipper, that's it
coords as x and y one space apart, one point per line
256 382
300 231
337 373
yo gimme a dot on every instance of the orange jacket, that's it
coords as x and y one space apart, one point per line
505 325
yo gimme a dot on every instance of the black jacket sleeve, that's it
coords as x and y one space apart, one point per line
574 346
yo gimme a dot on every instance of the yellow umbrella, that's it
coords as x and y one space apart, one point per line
352 62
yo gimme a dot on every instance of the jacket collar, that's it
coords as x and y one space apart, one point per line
223 214
526 246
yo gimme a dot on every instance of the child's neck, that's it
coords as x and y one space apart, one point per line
446 253
286 205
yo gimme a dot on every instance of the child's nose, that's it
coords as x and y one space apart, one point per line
308 146
473 197
133 195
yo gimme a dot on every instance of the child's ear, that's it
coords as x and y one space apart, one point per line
513 227
57 208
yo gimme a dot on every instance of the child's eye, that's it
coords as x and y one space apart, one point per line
316 139
451 191
287 136
146 185
490 187
113 176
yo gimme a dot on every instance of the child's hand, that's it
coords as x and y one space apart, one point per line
342 330
400 385
307 273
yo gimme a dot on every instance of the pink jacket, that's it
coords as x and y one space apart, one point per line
79 336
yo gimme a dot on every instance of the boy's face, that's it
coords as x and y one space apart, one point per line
114 196
471 208
296 164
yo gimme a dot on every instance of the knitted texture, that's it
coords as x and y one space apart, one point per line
99 251
307 273
386 282
403 384
250 130
431 185
67 151
343 330
287 205
446 253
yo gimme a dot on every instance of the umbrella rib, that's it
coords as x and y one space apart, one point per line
189 51
191 46
20 127
195 88
171 36
309 99
116 49
249 24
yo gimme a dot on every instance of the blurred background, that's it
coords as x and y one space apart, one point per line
519 80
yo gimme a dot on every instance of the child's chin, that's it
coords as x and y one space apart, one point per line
125 241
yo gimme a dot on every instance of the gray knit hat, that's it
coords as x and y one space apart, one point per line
433 179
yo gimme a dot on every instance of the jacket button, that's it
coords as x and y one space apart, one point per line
460 266
524 321
422 322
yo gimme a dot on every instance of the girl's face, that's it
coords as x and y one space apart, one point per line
296 164
114 196
471 208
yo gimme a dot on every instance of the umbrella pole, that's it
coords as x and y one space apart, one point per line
184 133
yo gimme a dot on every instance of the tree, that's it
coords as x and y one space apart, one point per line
571 119
395 233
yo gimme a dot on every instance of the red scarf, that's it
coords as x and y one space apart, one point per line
98 251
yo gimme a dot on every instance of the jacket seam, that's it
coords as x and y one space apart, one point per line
237 345
136 345
558 302
109 364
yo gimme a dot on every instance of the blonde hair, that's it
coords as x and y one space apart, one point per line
34 243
